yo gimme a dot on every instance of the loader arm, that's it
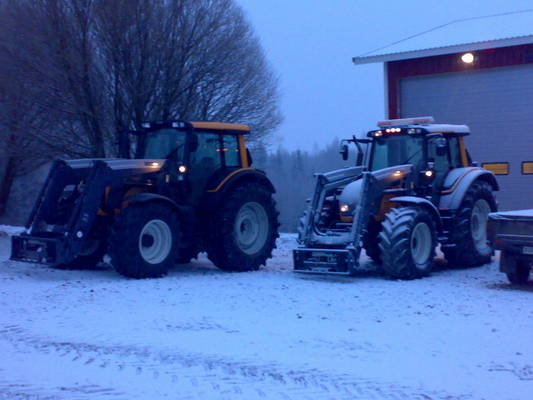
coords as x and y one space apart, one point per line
336 252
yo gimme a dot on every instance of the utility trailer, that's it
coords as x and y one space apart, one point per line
512 233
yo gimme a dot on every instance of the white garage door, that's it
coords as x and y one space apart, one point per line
497 105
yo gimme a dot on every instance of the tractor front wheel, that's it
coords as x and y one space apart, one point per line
90 256
144 240
407 243
243 233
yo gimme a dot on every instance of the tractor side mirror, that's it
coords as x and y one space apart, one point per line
344 151
442 146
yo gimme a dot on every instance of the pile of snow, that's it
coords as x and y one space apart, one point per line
8 230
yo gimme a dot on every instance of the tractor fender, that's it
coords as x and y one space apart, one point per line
147 197
459 181
243 175
418 201
236 178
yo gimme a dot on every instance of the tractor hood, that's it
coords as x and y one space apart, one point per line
116 164
351 194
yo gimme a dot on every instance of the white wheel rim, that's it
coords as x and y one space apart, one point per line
155 241
421 241
478 223
251 227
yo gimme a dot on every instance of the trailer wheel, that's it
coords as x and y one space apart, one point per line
144 240
469 230
519 275
371 241
91 256
243 233
407 243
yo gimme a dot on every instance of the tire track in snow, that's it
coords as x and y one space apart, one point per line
229 378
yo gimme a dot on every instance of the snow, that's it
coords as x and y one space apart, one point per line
200 333
513 214
7 230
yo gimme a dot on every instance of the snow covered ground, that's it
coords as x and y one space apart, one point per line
204 334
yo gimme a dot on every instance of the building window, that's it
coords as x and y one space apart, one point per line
527 168
497 168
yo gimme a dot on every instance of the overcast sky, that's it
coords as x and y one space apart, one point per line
310 44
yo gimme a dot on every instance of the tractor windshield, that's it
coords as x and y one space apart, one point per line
163 142
396 150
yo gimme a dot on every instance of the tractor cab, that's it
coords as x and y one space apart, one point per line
201 153
432 150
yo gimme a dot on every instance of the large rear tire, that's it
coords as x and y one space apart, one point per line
144 240
407 243
469 230
243 233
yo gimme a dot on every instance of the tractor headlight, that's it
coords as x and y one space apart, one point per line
182 169
344 208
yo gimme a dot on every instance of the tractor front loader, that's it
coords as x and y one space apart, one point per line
413 188
190 188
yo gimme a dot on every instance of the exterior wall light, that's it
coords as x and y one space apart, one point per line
467 58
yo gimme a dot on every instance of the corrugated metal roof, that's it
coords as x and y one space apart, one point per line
476 33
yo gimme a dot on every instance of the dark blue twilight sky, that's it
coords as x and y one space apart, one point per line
310 44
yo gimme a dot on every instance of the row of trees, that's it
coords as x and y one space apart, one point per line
76 75
292 173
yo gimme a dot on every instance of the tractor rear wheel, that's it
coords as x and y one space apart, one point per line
243 233
469 230
144 240
407 243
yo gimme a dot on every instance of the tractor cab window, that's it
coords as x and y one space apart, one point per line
160 143
230 149
442 161
397 150
204 162
207 156
455 153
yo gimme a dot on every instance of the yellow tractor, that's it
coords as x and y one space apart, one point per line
190 188
413 188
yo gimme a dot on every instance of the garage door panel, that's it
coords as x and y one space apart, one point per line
497 104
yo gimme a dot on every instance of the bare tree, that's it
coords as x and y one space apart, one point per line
76 75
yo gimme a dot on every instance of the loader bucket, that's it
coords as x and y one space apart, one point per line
63 215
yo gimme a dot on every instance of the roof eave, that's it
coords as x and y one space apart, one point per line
437 51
